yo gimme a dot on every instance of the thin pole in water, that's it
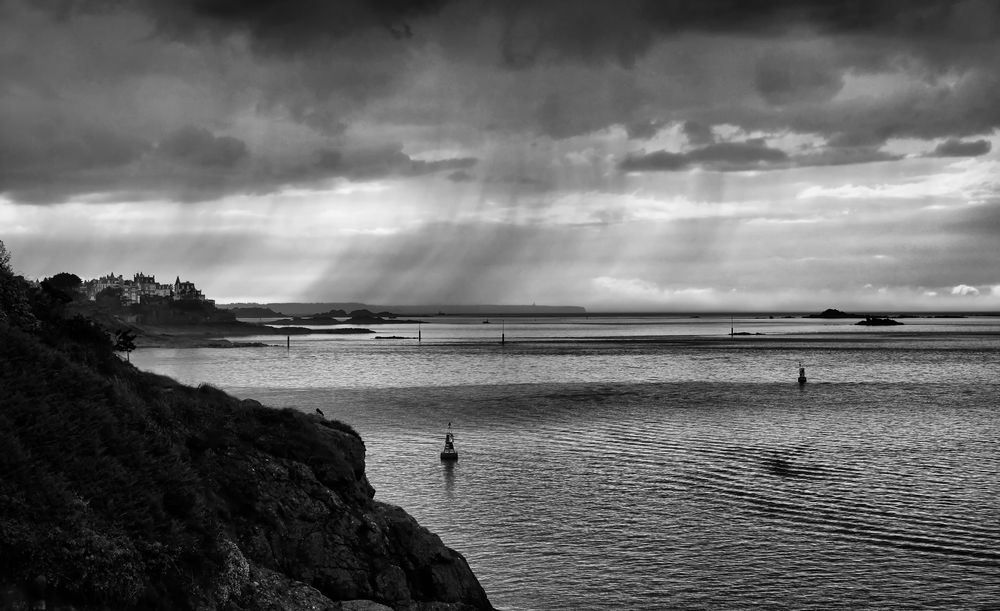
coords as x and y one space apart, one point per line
288 342
503 336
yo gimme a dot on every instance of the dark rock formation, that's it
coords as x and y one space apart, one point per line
307 516
877 321
832 313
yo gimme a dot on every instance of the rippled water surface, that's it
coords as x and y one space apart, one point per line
673 474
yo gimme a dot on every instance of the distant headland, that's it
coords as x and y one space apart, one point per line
833 313
257 310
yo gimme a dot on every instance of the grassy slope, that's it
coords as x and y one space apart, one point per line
101 491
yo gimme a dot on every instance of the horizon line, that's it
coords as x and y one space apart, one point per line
481 308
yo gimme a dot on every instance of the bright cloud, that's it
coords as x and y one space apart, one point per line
964 289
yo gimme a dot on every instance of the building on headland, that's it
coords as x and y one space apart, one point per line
142 288
186 291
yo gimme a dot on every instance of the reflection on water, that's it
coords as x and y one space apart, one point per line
677 475
448 467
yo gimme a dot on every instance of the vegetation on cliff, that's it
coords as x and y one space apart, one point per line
123 489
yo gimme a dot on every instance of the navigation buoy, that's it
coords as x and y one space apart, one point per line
449 453
802 375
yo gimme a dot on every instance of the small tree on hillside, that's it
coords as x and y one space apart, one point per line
125 342
66 282
15 307
4 260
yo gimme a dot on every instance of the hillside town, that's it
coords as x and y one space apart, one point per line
143 289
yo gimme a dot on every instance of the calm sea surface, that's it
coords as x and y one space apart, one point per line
656 463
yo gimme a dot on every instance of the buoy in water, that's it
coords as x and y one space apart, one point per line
802 375
449 452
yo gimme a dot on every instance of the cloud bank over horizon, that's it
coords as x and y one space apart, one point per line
617 155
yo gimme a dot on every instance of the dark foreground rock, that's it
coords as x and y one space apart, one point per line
121 489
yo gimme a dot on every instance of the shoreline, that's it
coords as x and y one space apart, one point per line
228 338
214 335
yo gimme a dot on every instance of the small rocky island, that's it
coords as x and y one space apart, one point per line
869 321
878 321
832 313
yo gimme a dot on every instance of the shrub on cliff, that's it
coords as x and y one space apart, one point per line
126 489
90 481
15 309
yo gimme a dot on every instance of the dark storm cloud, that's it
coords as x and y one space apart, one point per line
801 56
536 30
589 31
273 25
567 68
917 106
698 134
199 147
540 30
53 148
657 161
918 18
190 164
784 78
265 176
927 41
377 163
737 154
752 155
723 156
54 158
958 148
856 139
843 155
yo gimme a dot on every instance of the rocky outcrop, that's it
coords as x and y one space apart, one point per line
312 519
126 490
832 313
878 321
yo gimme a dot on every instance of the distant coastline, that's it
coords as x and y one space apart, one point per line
428 310
294 309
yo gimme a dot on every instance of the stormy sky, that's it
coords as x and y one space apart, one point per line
645 155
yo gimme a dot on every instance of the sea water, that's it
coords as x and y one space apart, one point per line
660 463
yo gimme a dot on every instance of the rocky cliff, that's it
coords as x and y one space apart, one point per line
120 489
